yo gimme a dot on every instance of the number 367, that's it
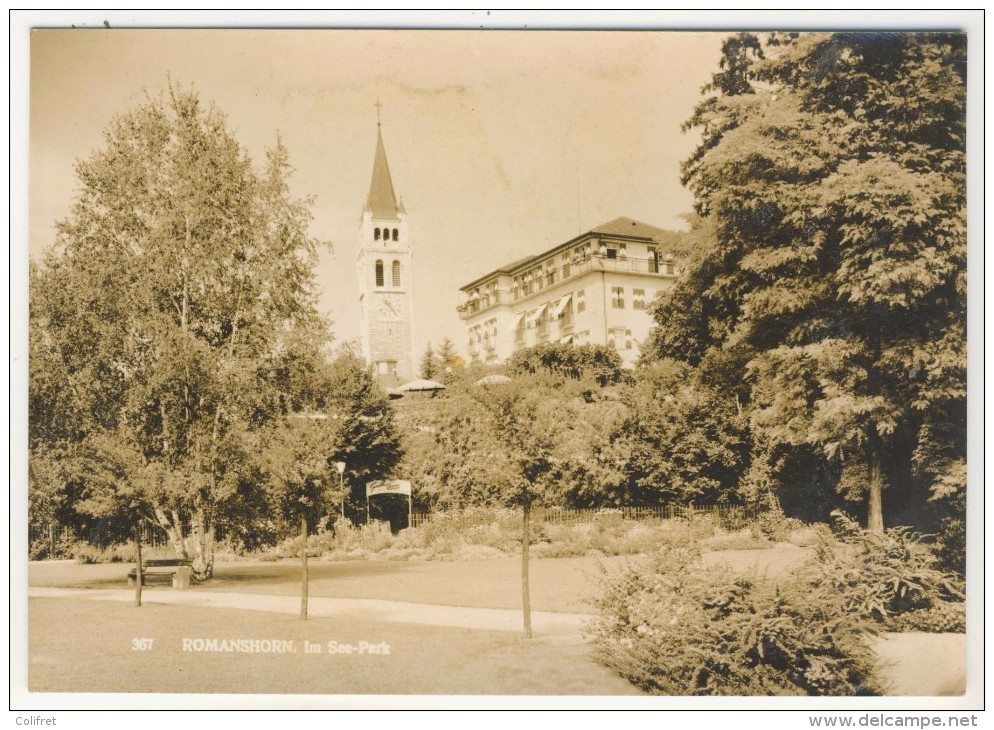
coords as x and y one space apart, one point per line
141 644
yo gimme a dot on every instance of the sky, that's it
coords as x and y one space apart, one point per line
501 144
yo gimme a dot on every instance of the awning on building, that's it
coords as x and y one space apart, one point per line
534 316
560 306
518 319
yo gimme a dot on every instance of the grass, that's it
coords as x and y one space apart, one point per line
422 659
78 645
557 584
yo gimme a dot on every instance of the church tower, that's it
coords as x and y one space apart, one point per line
384 267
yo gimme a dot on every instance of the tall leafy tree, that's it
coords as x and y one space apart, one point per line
527 427
180 282
298 473
835 192
682 441
366 436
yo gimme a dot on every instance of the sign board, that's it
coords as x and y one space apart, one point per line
388 486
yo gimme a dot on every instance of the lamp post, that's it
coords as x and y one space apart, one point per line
340 466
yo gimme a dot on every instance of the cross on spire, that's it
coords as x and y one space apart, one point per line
378 105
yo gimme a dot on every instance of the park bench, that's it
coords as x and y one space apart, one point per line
173 571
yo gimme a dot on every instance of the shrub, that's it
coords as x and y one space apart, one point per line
940 617
775 526
810 536
743 539
951 538
42 548
87 554
885 576
674 626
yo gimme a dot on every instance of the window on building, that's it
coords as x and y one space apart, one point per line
581 338
491 334
396 234
621 338
543 323
566 318
376 234
611 252
581 300
379 273
396 273
638 298
618 297
653 260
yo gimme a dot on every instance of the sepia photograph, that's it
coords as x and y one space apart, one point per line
616 367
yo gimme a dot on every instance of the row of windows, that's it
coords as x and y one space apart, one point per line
541 276
485 335
386 234
618 298
395 271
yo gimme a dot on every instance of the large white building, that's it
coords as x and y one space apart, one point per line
591 289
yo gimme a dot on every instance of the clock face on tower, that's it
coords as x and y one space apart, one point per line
389 306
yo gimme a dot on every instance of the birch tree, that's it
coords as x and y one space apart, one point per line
178 283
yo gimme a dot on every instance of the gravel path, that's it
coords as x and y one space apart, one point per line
494 619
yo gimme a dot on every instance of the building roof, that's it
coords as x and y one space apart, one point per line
629 227
382 201
623 227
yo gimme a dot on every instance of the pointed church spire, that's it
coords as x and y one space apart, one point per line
381 201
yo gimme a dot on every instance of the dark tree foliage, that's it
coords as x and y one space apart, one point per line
683 440
576 362
834 195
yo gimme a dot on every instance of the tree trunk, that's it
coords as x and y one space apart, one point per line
526 600
203 546
139 578
874 499
303 566
174 530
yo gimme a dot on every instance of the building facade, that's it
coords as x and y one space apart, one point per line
383 262
592 289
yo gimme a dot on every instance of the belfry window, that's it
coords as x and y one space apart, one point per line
396 274
396 234
379 273
376 234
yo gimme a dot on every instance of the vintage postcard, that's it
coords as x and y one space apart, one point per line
624 366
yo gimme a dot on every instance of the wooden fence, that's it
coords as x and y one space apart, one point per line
729 516
53 538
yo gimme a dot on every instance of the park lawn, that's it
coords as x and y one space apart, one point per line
557 584
65 657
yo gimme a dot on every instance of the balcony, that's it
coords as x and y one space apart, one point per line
595 262
478 304
570 270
